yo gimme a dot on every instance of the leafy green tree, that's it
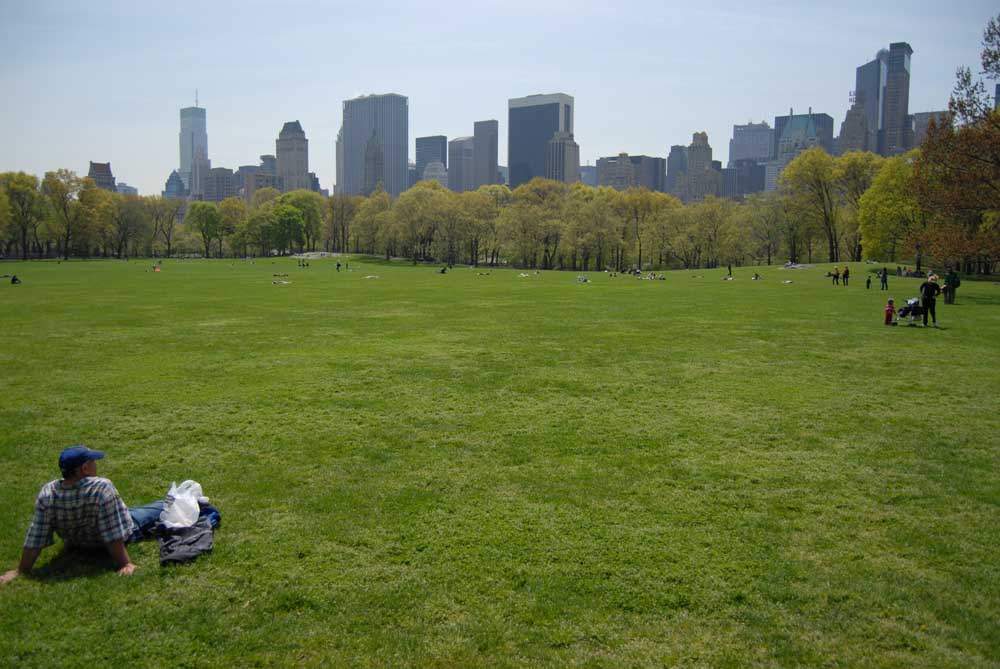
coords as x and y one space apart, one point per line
288 224
62 189
764 213
311 206
499 196
341 211
533 221
257 230
263 196
889 212
26 206
232 213
4 218
163 214
203 218
854 172
415 217
368 220
129 221
810 181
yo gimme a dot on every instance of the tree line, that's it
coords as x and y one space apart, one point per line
939 203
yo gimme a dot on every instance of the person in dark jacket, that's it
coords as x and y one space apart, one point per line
929 290
951 283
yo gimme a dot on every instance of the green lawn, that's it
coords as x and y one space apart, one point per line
487 471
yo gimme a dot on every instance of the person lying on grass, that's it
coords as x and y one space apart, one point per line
86 511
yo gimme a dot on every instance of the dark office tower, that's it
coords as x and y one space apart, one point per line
374 170
102 176
292 151
823 124
386 119
193 137
484 169
897 101
461 159
431 149
676 166
752 140
588 175
869 93
531 123
411 175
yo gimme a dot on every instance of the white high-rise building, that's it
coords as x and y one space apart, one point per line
374 126
193 139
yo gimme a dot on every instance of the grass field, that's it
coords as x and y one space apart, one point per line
489 471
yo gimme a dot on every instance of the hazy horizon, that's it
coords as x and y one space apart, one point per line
106 83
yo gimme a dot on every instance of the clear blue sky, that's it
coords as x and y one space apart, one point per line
104 81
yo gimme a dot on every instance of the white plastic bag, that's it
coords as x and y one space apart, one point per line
182 508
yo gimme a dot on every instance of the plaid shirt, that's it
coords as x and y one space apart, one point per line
90 513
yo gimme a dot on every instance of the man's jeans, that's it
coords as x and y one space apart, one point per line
144 517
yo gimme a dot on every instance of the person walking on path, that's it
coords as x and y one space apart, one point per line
836 275
86 511
929 291
885 278
847 274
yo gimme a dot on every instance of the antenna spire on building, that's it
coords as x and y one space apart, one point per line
196 97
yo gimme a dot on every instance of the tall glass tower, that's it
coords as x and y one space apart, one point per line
531 122
193 136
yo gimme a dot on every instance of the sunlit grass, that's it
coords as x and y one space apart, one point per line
465 470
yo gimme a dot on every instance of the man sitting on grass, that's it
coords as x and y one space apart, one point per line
86 511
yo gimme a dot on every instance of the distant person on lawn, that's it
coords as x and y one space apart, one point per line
86 511
929 290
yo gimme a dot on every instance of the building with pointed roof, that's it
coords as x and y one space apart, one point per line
102 176
292 151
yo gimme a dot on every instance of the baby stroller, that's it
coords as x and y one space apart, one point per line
912 310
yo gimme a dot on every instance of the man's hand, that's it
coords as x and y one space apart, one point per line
127 570
9 576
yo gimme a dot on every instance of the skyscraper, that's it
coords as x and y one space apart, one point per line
822 123
484 170
676 167
752 140
531 123
292 151
461 158
869 93
854 135
562 158
429 150
102 176
897 139
624 171
174 187
381 121
193 137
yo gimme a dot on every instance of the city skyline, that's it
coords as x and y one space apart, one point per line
629 96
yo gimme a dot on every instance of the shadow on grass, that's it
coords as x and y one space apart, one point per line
72 562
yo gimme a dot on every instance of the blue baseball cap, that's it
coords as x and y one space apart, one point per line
74 456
